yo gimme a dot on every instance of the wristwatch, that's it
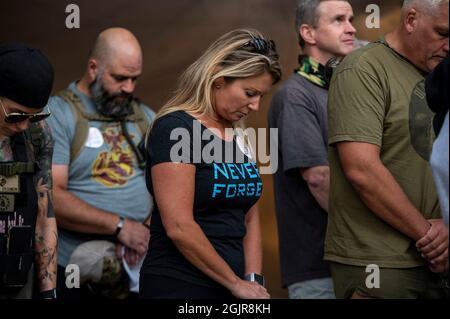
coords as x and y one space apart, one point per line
258 278
119 226
48 294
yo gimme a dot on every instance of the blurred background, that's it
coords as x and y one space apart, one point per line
173 33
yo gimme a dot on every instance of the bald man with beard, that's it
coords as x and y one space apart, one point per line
100 198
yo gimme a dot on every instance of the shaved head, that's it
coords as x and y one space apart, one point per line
116 43
429 4
114 65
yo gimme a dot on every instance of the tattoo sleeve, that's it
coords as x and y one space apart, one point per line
46 235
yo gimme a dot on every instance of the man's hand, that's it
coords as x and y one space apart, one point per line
135 236
440 263
131 256
434 244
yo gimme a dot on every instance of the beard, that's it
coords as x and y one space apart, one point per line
108 104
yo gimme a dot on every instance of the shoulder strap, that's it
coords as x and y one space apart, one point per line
82 120
141 120
24 160
82 124
142 124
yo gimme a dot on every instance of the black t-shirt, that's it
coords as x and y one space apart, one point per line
437 93
226 187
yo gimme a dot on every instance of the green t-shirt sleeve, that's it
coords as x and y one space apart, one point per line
356 106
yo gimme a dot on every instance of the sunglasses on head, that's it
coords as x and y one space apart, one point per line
16 117
261 46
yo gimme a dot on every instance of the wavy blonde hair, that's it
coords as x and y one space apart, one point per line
229 57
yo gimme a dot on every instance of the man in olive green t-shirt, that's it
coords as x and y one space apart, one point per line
384 214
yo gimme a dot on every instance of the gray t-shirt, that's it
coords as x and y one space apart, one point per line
299 111
105 174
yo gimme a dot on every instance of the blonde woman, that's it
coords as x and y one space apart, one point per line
205 235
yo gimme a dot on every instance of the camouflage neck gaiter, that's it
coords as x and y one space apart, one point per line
313 71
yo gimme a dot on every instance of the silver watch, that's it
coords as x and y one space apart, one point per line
256 278
119 226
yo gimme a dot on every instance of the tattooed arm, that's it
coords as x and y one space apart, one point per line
46 235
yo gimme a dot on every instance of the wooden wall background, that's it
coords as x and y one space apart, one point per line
173 33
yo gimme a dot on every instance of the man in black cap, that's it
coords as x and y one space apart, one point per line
28 230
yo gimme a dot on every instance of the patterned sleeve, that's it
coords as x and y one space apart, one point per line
44 175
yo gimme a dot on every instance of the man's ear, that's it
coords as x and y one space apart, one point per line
92 69
308 34
411 20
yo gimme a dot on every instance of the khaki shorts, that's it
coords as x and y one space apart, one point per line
393 283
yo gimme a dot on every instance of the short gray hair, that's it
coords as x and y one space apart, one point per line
428 4
306 13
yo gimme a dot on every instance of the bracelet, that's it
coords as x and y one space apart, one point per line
48 294
119 226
